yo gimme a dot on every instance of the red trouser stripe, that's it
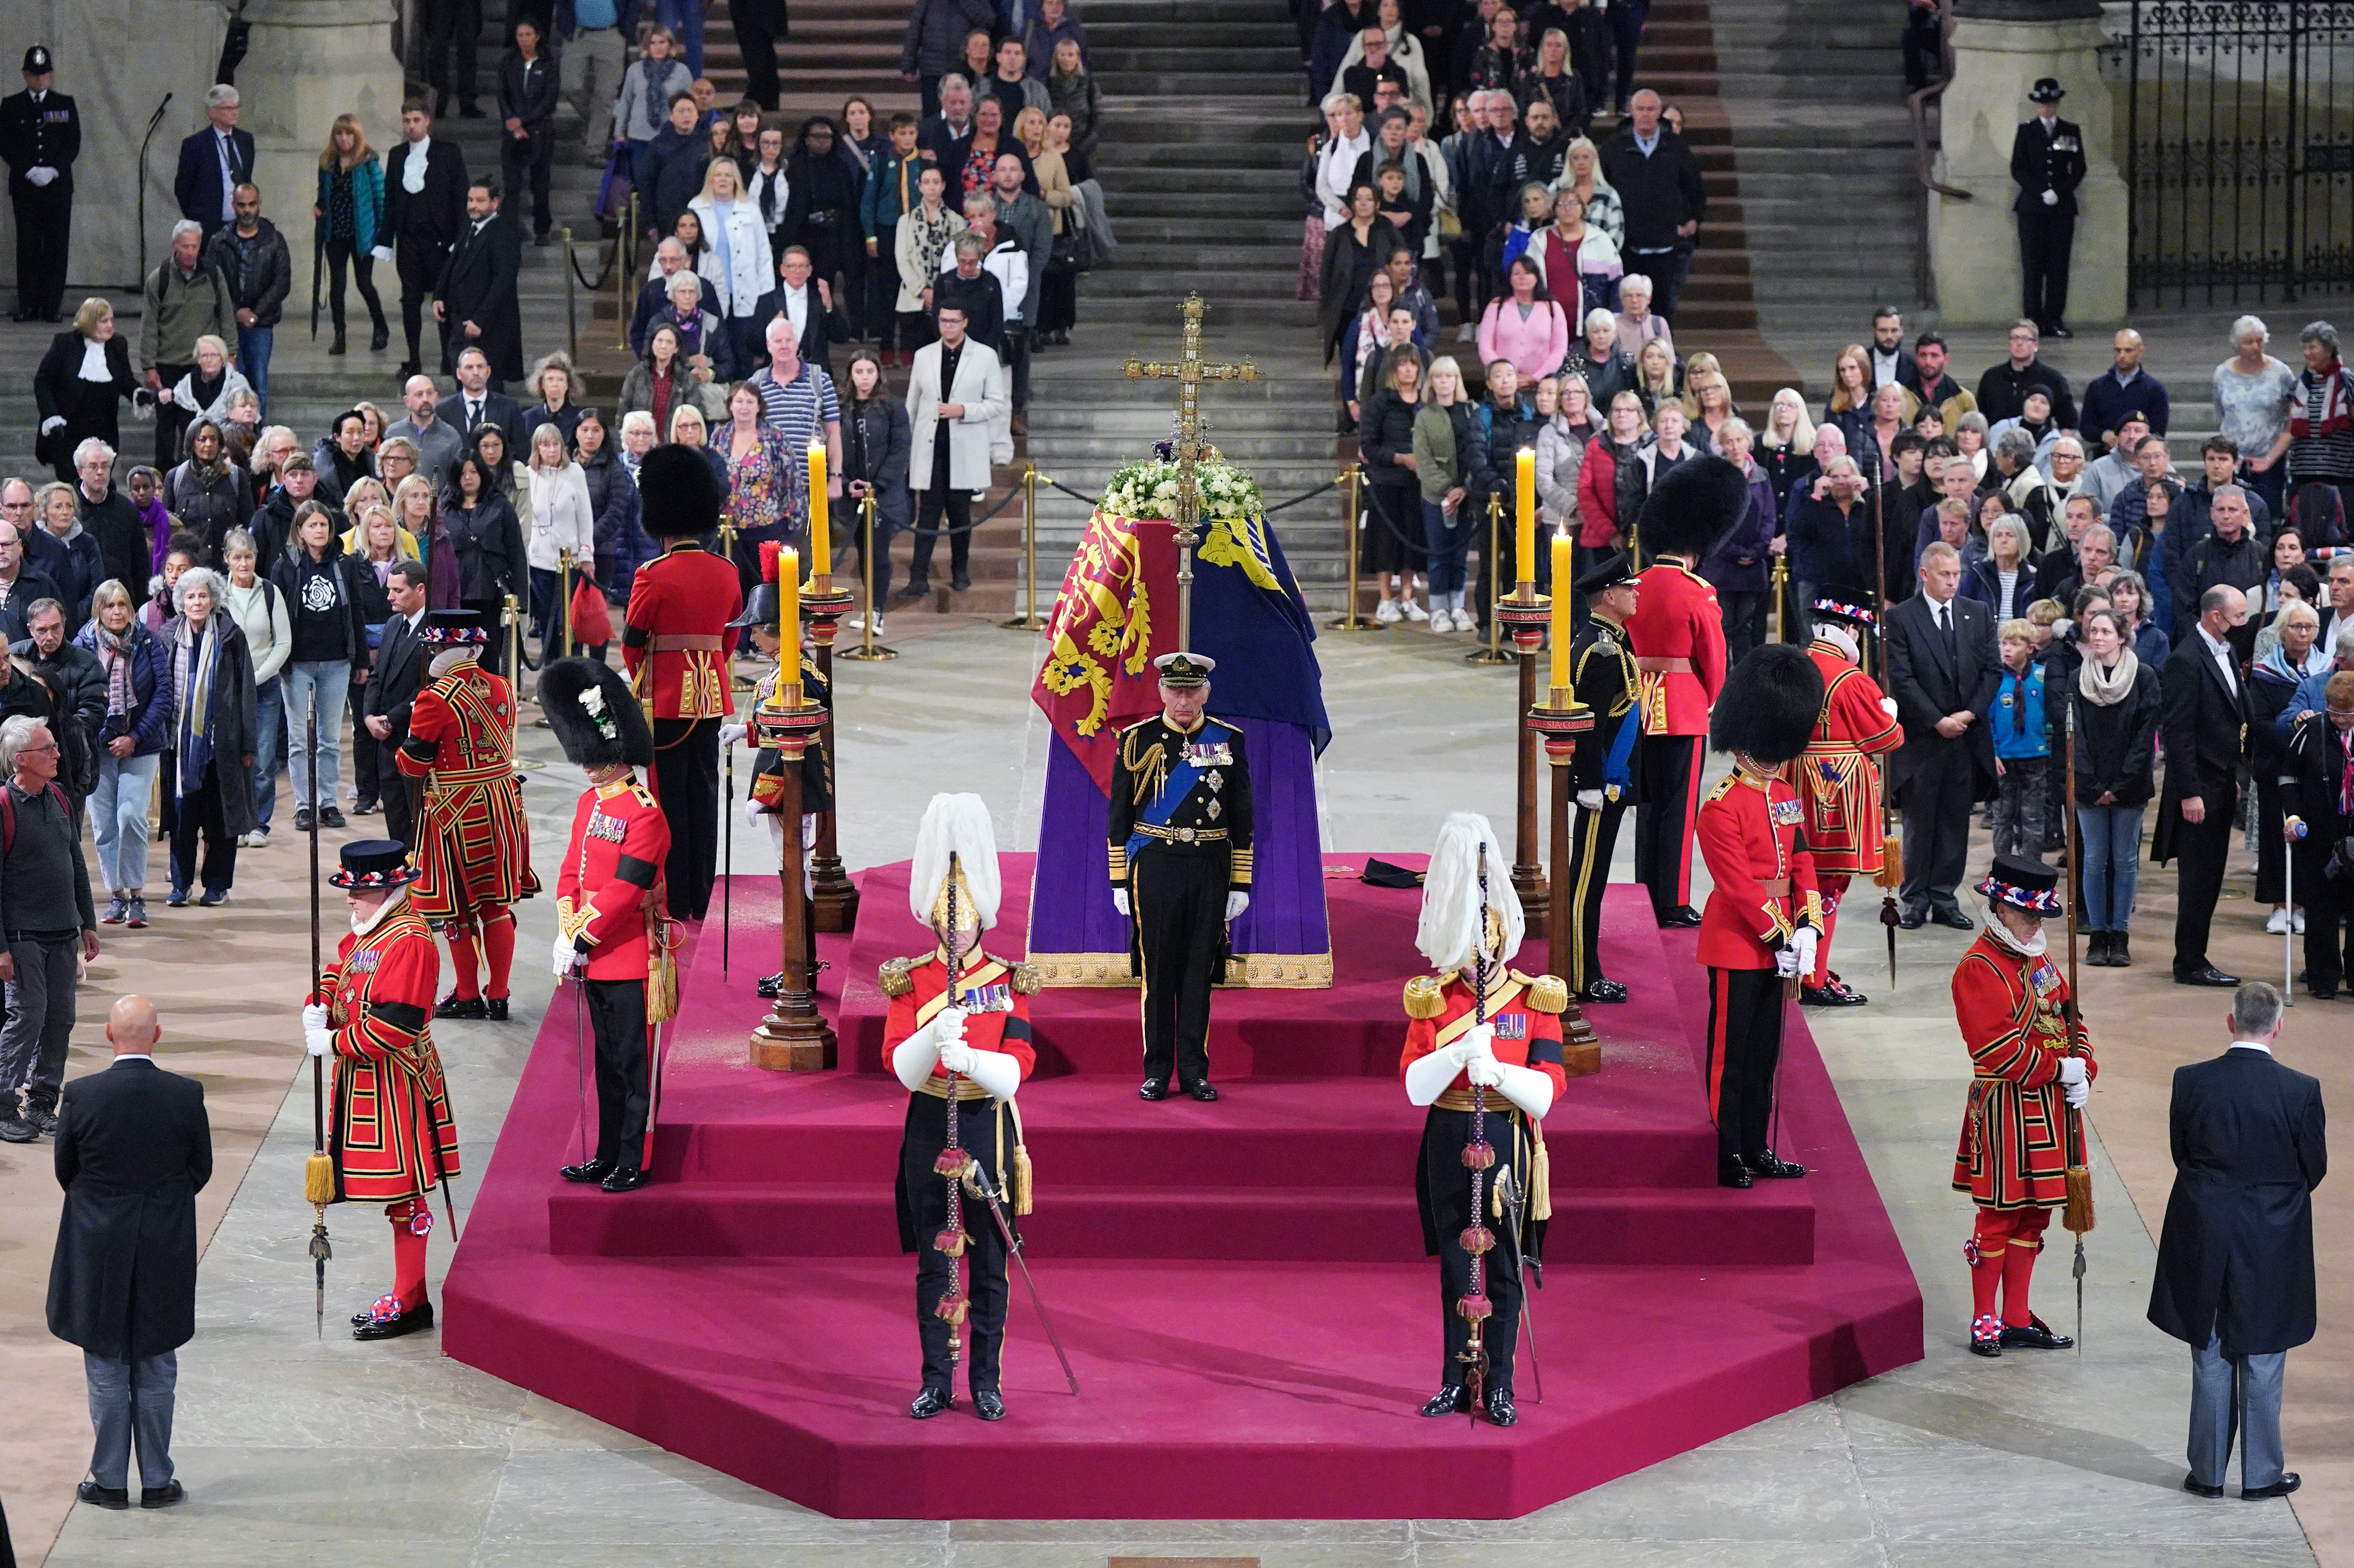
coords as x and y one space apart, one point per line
1692 820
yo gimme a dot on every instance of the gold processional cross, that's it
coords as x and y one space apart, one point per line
1189 371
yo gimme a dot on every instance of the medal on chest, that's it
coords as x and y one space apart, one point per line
612 830
1212 754
1512 1025
987 999
1787 814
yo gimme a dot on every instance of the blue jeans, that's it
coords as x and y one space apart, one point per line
1446 547
685 18
269 714
253 346
129 1400
2112 863
328 682
118 812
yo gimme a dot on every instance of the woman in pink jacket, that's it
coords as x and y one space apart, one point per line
1526 328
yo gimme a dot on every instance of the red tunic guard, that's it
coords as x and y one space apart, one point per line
607 894
1678 635
679 648
1840 787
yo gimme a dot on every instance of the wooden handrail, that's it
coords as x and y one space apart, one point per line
1918 103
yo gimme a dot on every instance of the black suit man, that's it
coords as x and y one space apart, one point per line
1944 668
423 222
2047 163
2319 754
2235 1277
40 136
392 688
134 1151
475 300
2204 729
474 405
801 298
213 164
527 98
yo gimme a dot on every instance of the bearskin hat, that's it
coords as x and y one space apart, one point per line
679 497
596 719
1769 704
1693 508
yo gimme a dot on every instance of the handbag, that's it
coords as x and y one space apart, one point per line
592 618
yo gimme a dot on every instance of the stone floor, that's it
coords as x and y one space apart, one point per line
295 1446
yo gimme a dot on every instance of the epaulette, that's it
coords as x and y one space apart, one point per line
1425 997
1604 644
1132 728
1022 977
1723 787
1546 993
893 977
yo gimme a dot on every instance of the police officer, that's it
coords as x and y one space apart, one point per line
39 136
1603 673
2047 161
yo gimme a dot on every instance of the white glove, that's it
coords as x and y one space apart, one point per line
314 1015
1484 1071
317 1038
1119 901
1235 904
42 175
1786 963
2071 1071
54 423
1590 800
2078 1094
1479 1040
564 956
948 1026
956 1057
754 812
1887 706
382 253
1802 942
732 734
2050 198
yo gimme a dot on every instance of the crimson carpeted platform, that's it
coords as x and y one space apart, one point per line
1240 1284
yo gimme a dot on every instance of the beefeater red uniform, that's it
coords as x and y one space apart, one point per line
473 843
678 647
2014 1154
609 902
1750 832
1678 635
1841 786
390 1135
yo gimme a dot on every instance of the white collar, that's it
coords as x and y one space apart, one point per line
421 146
2213 647
149 1057
399 897
2251 1046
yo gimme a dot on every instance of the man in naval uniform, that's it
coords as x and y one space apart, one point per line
1601 774
2047 163
40 135
1179 833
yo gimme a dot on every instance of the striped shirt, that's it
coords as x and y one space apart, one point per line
2328 455
801 410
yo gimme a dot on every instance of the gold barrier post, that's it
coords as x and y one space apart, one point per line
1029 619
563 608
511 613
1493 653
1351 620
868 649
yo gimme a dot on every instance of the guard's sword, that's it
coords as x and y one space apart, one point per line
1508 1190
977 1181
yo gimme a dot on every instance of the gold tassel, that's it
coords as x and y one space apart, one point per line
1891 864
1022 1179
662 979
2077 1217
1540 1179
319 1179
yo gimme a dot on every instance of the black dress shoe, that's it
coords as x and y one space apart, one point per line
987 1405
1682 914
2036 1336
1736 1175
1772 1165
407 368
494 1008
930 1403
1153 1089
103 1496
2190 1484
1603 991
379 338
770 985
331 817
2210 976
591 1171
2061 329
1204 1091
1986 1336
1913 919
1499 1407
455 1006
1448 1401
1954 919
1832 993
414 1320
913 592
2290 1480
164 1496
624 1179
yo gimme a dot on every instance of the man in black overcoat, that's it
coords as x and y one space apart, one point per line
2204 729
134 1151
420 226
392 687
2235 1260
1944 668
475 301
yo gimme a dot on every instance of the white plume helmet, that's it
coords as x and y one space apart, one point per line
1448 933
958 826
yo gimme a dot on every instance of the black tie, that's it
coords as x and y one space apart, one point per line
1945 626
474 418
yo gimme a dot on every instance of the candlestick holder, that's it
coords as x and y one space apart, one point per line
1524 617
793 1038
1558 721
823 608
833 896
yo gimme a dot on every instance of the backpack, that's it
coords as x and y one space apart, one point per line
8 814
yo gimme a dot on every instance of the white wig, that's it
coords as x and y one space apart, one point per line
1448 933
955 827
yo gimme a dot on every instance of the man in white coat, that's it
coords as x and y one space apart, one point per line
956 398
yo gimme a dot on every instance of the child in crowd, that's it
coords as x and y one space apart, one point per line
2022 746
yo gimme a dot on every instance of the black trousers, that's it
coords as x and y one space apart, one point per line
199 813
2045 239
625 1086
1593 838
1179 896
757 27
1444 1188
393 790
924 1208
494 654
686 778
528 158
2201 850
1014 346
930 503
418 259
44 230
1744 1046
1664 822
1627 21
451 25
1937 830
367 760
2329 916
362 265
1745 621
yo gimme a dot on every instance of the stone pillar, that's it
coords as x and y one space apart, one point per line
309 61
2000 48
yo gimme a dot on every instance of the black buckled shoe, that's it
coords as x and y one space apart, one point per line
770 985
1449 1399
1682 914
624 1179
1204 1091
1602 991
103 1496
1153 1089
1772 1165
1986 1335
455 1006
2036 1336
1833 993
930 1403
987 1405
1736 1175
587 1170
415 1320
1499 1407
382 1307
494 1008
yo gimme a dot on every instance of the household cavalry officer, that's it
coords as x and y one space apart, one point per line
1470 932
473 843
1602 672
2047 163
2019 1136
1678 631
1839 783
40 136
611 932
1764 915
958 1034
390 1132
678 647
1179 832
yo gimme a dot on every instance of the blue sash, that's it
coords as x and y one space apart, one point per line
1183 776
